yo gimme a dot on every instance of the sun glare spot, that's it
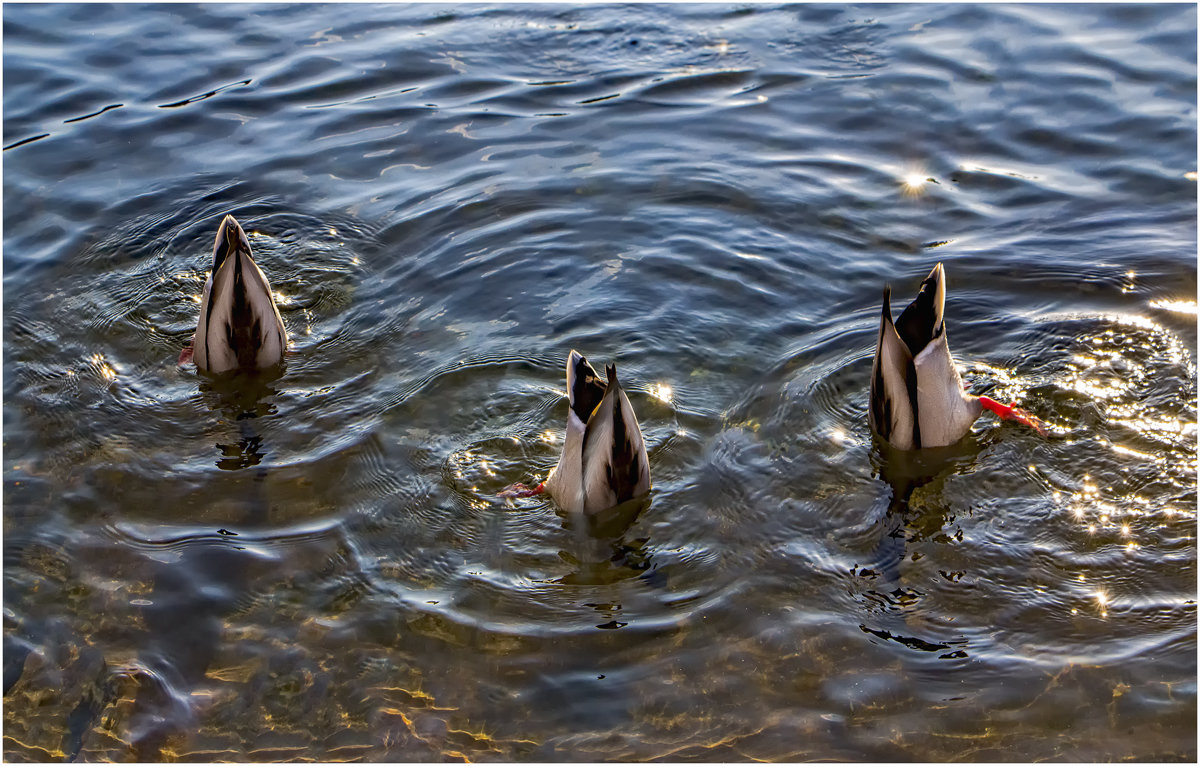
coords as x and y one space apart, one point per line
1132 453
1181 307
661 392
106 370
914 183
1129 286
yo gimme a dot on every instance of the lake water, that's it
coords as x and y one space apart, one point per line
448 199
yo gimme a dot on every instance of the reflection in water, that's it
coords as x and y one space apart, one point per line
905 471
193 590
373 601
946 651
242 399
891 597
245 454
603 556
188 598
611 523
914 182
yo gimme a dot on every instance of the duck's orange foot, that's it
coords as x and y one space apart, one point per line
520 490
185 356
1009 412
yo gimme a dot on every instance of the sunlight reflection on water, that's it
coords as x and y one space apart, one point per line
712 197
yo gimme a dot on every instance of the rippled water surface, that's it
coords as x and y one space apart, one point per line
448 199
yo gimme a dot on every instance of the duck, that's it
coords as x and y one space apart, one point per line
603 461
240 329
917 397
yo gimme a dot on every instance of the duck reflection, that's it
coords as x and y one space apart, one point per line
890 598
193 592
905 471
603 555
241 399
247 453
611 523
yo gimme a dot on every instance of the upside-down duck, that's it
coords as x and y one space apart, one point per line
917 396
603 461
240 329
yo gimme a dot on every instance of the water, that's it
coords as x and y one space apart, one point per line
447 199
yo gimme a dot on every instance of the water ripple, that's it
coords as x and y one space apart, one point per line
447 200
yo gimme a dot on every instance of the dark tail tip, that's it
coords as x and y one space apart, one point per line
611 372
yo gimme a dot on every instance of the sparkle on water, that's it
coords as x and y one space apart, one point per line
446 200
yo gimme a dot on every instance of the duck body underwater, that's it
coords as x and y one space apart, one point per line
240 329
917 397
603 461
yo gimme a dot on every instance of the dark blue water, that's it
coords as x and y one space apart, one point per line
447 199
